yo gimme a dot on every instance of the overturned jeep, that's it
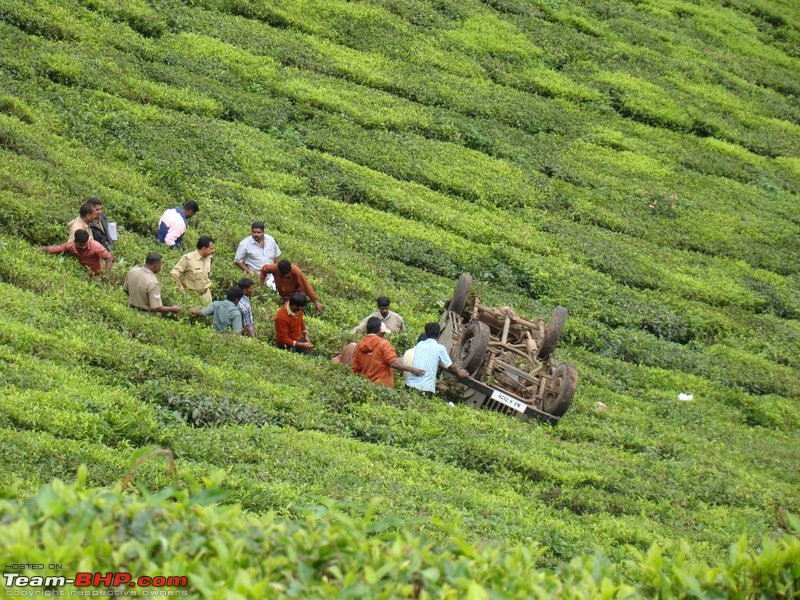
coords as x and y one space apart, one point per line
509 358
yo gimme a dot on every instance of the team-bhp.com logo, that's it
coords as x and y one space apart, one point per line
94 584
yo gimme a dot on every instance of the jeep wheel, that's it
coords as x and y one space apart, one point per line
552 332
474 344
558 396
461 294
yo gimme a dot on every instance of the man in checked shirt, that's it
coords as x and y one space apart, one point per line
248 327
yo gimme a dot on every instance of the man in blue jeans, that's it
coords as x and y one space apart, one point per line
429 354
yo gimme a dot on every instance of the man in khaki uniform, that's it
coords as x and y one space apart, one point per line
142 287
193 271
81 223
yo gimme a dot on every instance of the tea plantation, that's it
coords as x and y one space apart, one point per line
636 162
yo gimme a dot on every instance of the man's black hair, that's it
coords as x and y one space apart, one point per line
94 201
284 266
234 294
205 241
257 225
86 209
383 301
299 299
191 205
374 325
81 236
432 331
152 259
245 282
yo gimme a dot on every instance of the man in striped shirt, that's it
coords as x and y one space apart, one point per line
248 327
429 354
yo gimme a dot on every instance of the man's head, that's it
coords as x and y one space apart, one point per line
81 240
153 262
284 267
374 325
190 208
432 331
246 285
298 301
88 213
383 306
234 294
96 203
257 231
205 246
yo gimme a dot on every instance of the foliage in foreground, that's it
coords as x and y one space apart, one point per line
338 549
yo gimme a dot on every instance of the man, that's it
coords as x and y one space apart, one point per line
88 252
428 355
225 313
193 271
99 227
87 215
173 222
290 279
375 357
290 327
394 322
257 250
248 327
142 287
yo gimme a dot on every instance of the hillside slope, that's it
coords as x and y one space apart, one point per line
638 163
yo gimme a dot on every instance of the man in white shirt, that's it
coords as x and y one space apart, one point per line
172 224
257 250
393 322
429 355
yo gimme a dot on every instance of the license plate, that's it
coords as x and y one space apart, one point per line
509 401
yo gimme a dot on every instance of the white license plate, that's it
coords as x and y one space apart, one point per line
509 401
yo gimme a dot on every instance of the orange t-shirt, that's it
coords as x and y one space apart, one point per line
373 358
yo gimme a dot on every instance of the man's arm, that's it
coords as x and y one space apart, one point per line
458 371
449 365
398 364
108 261
361 327
266 270
282 333
241 255
236 322
108 258
59 249
203 312
307 289
177 272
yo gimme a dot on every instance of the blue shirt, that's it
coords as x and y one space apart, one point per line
428 355
225 316
254 256
247 313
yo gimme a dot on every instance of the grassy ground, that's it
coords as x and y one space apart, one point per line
638 163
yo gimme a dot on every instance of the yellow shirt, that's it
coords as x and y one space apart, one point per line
76 225
194 272
142 288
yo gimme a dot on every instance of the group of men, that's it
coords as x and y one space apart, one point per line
374 357
91 238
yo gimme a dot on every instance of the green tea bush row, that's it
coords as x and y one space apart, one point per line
332 551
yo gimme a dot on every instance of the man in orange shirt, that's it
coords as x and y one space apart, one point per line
375 357
290 327
88 252
290 279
